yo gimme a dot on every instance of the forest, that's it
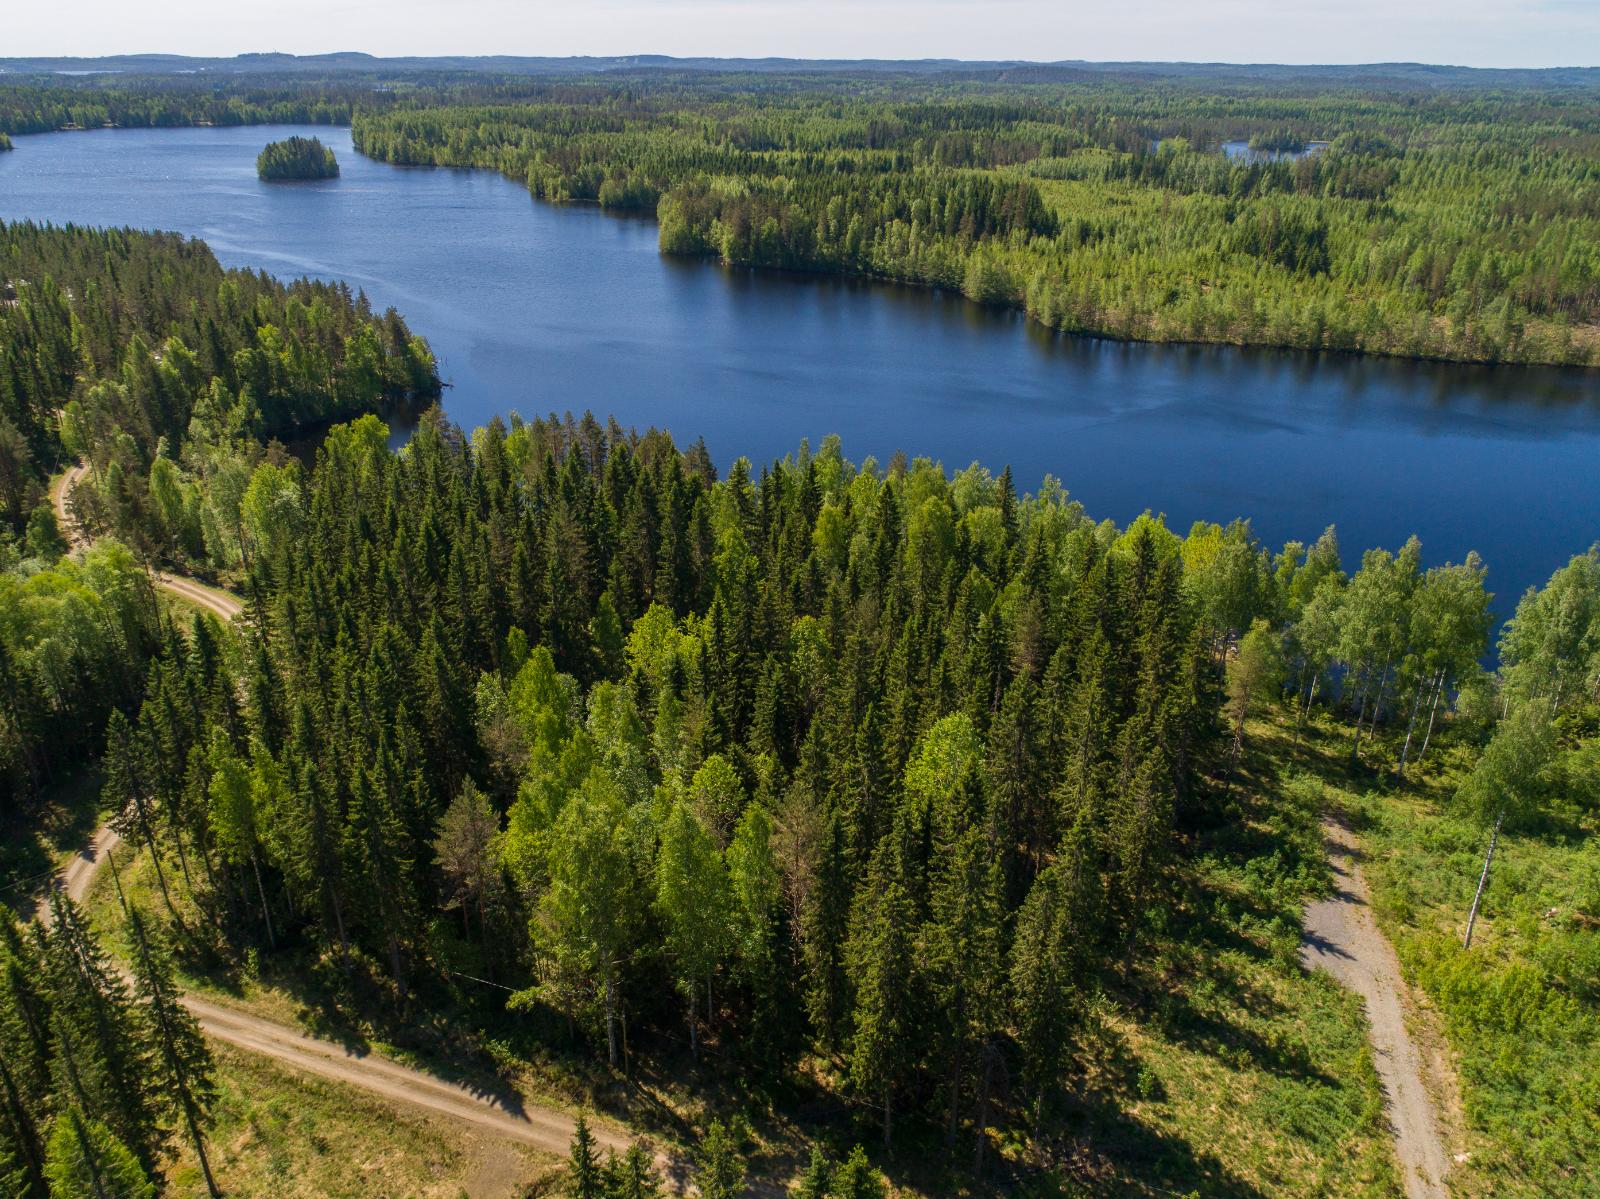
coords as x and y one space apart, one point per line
872 766
1454 219
1442 225
139 354
296 158
872 789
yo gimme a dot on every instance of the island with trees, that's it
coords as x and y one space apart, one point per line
825 824
296 158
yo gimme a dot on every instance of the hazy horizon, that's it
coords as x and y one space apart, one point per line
1472 33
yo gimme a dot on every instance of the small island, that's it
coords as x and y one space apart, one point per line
296 158
5 142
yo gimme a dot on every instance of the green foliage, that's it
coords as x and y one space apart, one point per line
719 1170
1420 224
1512 775
1521 1008
1551 647
585 1177
85 1159
74 638
140 353
296 158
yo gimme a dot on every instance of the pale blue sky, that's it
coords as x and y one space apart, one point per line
1465 32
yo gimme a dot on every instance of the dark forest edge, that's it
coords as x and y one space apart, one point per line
1435 221
888 779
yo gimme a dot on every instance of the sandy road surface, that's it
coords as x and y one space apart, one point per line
543 1128
219 603
499 1114
1342 938
505 1115
60 488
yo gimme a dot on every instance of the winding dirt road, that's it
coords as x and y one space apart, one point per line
500 1114
504 1115
1342 938
219 603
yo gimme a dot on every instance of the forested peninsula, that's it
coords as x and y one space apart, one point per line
1427 227
828 825
296 158
1455 218
902 782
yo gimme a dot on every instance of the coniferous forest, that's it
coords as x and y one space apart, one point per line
918 817
296 158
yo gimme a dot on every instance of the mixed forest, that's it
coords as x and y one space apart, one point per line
1432 225
1452 218
870 782
174 379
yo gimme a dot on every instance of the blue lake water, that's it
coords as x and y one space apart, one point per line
534 308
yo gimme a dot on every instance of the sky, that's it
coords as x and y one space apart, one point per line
1498 33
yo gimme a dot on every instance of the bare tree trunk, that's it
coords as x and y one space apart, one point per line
1361 714
149 834
1377 704
888 1115
344 938
694 1024
1411 725
954 1117
984 1079
266 912
611 1020
183 858
1302 711
1433 713
1483 880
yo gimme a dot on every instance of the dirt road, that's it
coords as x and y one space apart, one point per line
501 1114
60 488
219 603
1342 938
80 871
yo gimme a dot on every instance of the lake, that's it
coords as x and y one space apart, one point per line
535 308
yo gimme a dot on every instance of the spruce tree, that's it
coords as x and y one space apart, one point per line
184 1067
87 1161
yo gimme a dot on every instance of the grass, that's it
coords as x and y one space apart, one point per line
1521 1009
1215 1067
1222 1068
283 1135
56 827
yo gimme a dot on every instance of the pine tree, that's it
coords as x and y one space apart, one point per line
184 1066
817 1180
719 1171
25 1083
855 1178
633 1175
585 1175
87 1161
880 960
1048 945
102 1061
